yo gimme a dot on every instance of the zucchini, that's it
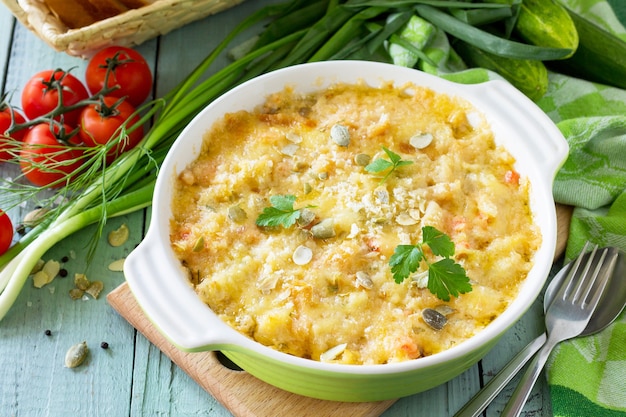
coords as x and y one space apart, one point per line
601 56
527 75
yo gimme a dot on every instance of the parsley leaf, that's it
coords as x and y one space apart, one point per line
438 242
380 165
445 277
281 212
405 261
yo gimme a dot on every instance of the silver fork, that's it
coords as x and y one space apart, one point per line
566 317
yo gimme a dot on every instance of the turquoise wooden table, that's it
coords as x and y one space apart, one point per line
133 377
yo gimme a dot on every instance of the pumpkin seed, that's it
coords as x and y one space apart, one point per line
434 319
237 214
76 293
290 149
404 219
119 236
117 266
95 288
267 283
364 280
48 272
199 245
293 137
444 309
34 217
81 282
306 217
340 135
362 159
333 352
76 355
421 140
324 229
415 214
302 255
51 268
40 279
421 279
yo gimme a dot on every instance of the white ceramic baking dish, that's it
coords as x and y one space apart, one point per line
159 283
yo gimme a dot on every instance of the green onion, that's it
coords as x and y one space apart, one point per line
487 41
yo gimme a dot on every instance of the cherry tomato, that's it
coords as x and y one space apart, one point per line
99 123
6 120
45 160
128 70
41 94
6 232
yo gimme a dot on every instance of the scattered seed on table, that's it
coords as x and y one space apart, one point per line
48 332
104 345
76 355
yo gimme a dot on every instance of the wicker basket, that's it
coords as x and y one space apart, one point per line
129 28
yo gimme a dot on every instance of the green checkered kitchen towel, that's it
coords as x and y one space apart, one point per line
587 376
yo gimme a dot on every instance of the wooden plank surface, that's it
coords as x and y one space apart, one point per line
133 377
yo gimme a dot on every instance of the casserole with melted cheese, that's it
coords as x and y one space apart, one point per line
330 296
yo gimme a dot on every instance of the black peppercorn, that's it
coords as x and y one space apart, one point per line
104 345
48 332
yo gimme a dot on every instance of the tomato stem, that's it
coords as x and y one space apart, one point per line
61 109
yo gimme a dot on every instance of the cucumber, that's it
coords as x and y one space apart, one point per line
601 56
527 75
545 23
417 31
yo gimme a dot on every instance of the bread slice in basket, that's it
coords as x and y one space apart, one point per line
80 13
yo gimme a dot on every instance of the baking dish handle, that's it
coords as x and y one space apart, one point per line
187 322
536 133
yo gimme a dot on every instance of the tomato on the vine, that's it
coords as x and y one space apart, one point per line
47 159
41 94
128 70
100 122
8 118
6 232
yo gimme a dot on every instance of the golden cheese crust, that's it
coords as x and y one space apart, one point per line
343 304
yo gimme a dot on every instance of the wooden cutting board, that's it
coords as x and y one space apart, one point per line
241 393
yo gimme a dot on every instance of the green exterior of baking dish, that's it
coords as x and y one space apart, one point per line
335 386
